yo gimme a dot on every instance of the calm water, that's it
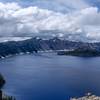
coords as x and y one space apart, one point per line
50 77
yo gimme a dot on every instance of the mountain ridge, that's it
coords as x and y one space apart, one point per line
35 45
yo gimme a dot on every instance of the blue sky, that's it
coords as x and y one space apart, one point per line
57 5
94 3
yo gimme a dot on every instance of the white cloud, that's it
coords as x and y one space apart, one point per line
83 24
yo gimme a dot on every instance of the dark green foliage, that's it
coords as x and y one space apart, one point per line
2 81
4 97
9 98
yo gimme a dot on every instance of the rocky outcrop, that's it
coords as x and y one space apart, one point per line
89 96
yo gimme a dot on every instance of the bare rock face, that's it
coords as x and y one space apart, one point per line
88 96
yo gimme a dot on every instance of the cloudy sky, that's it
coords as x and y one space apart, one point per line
71 19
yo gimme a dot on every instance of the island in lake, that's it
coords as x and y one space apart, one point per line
80 52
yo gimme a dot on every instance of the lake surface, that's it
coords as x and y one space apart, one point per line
48 76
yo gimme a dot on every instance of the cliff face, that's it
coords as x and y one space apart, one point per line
37 44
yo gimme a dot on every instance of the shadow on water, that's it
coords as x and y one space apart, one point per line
42 55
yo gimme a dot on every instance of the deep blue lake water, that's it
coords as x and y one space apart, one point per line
48 76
